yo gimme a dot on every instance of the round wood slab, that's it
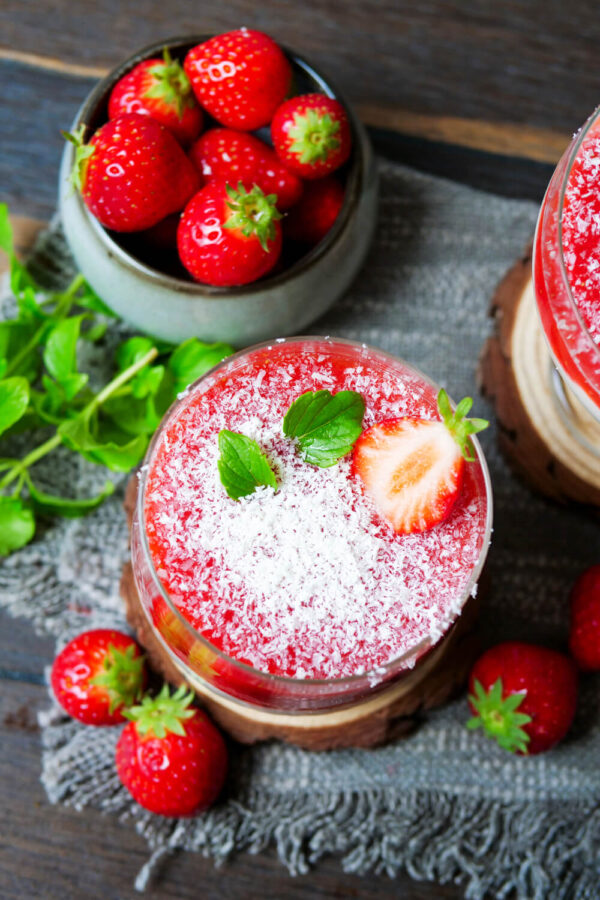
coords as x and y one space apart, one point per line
516 373
391 713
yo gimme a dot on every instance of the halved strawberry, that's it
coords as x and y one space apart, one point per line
413 468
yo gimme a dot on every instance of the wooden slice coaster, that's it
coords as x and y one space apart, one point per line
393 712
516 373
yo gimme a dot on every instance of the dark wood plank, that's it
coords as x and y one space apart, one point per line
534 63
55 853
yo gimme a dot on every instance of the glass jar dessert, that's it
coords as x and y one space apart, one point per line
299 596
566 271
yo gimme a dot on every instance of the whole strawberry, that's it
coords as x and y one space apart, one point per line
229 236
584 637
159 88
318 208
98 675
222 154
523 695
239 77
132 173
311 135
170 756
413 469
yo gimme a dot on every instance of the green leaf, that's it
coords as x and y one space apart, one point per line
17 524
192 359
133 416
147 381
89 299
76 434
242 465
14 340
14 400
6 232
325 425
132 350
458 425
49 505
60 352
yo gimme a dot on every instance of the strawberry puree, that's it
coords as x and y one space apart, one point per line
306 581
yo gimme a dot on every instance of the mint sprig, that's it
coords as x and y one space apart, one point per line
242 465
41 386
325 425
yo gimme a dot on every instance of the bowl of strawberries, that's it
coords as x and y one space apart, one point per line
218 187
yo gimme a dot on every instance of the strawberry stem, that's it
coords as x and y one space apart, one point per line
82 154
314 136
498 716
458 425
171 84
252 213
122 676
164 713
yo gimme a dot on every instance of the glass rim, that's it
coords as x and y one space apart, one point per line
571 156
379 673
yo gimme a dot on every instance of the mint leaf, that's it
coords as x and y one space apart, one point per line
18 347
76 434
325 425
60 357
89 299
131 415
17 524
6 232
14 400
49 505
242 465
192 359
132 350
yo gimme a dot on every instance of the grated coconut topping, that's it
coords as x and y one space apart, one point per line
305 581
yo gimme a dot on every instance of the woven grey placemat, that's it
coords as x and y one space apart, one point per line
444 804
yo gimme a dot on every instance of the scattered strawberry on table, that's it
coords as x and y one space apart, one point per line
523 695
97 675
584 638
138 169
413 468
159 88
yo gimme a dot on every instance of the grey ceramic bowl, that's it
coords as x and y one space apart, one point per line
174 308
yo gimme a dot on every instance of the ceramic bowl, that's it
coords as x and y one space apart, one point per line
172 307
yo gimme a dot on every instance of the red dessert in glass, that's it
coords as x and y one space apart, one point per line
303 597
566 266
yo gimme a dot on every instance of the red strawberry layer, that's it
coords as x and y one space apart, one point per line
309 581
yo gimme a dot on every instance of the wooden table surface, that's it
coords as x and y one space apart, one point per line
488 94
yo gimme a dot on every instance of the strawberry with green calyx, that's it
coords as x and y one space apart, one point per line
98 675
239 77
524 696
413 468
159 88
316 211
229 236
170 756
132 173
222 154
311 135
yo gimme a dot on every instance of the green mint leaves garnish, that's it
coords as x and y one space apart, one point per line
242 465
498 716
325 425
458 425
41 386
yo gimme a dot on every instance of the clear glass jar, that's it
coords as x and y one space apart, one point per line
573 350
203 664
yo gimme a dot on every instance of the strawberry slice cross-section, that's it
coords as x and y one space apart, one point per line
413 468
